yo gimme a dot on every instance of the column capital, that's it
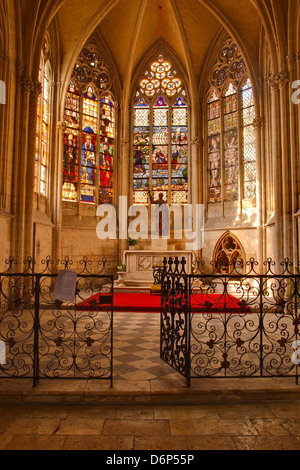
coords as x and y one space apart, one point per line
27 85
257 123
4 58
278 80
62 126
196 142
37 88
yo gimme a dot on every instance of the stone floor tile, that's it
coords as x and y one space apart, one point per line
160 443
4 441
266 443
244 411
91 412
186 412
293 426
98 443
134 427
5 424
134 412
35 442
48 411
210 443
212 427
41 426
80 426
283 409
269 426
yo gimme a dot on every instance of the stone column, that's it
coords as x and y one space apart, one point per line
35 91
57 189
257 124
4 115
294 156
20 167
124 188
286 166
277 169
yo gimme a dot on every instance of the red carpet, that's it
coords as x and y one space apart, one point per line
137 302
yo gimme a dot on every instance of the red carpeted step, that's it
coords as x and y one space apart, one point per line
142 302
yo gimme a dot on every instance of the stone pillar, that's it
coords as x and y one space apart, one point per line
124 187
35 91
277 169
57 188
286 166
257 124
24 163
4 115
294 157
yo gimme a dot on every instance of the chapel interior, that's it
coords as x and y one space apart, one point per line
193 99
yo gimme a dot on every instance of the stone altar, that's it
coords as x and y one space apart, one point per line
140 263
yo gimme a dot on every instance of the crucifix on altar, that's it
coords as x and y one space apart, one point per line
163 214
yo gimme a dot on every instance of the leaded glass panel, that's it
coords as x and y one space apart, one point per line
231 143
89 140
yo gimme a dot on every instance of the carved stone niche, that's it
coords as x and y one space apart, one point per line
229 255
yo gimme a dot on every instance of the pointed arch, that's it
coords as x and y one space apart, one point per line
160 131
160 47
89 130
229 255
231 112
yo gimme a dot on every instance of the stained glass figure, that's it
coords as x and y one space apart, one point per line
214 147
107 140
214 169
88 163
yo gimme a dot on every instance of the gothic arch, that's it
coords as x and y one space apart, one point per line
159 47
229 255
106 55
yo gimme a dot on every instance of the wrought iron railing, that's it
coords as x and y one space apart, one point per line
47 338
241 324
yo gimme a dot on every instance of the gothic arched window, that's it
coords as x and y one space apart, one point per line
231 135
43 124
160 136
89 138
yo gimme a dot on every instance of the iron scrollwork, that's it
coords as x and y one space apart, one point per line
242 323
46 338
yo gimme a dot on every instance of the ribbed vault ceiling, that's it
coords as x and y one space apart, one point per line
131 27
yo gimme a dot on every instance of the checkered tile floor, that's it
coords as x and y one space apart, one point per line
136 348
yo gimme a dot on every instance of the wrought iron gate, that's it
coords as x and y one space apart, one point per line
49 339
175 319
239 324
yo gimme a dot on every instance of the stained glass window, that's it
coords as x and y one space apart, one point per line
42 127
160 136
231 136
89 139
